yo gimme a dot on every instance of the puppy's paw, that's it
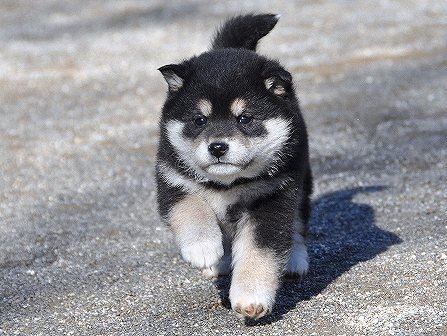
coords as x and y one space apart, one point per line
298 263
253 311
254 302
203 254
223 267
212 272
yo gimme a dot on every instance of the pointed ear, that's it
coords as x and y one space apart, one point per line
174 75
278 81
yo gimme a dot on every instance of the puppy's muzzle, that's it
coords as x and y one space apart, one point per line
218 149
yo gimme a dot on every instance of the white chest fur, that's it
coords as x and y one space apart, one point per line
221 200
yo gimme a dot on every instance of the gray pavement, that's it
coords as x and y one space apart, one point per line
82 250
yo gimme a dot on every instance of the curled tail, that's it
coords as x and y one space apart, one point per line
244 31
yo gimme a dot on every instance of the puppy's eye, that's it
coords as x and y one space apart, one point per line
200 120
244 119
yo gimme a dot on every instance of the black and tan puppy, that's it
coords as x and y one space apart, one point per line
233 165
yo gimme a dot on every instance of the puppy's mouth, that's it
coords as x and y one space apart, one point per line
224 168
223 163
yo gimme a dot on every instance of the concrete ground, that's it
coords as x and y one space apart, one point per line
82 250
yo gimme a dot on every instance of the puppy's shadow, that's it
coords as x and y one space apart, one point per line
341 234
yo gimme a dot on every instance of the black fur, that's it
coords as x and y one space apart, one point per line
244 31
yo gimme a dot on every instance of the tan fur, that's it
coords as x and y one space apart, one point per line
255 274
238 106
191 207
205 107
197 231
278 89
175 82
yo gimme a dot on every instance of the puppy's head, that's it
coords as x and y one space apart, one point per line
227 114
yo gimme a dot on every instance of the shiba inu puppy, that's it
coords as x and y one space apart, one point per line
233 171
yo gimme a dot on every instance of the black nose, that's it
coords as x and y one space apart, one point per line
218 149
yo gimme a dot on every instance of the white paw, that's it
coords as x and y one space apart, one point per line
223 267
253 301
298 263
203 254
212 272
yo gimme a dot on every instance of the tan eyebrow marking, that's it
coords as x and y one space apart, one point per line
238 106
205 107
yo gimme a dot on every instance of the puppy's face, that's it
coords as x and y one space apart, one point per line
228 129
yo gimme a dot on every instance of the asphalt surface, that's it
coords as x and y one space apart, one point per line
82 250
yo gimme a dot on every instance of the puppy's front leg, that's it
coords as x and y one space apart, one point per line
261 249
223 267
255 274
197 231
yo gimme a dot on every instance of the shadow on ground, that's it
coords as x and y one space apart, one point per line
341 234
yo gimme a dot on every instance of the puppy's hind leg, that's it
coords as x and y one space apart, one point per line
298 262
197 231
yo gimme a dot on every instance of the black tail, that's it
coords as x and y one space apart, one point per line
244 31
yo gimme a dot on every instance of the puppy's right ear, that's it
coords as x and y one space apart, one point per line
174 75
277 80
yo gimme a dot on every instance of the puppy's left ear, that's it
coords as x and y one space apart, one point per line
278 81
174 75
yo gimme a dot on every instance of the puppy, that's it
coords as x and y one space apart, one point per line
232 170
